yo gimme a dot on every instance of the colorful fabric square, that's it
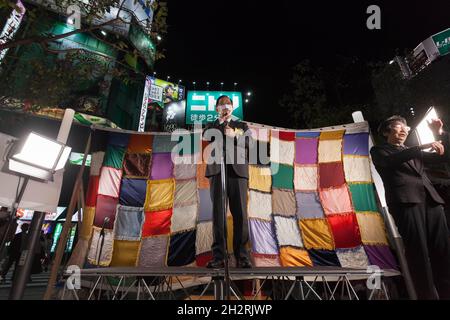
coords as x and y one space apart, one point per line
188 144
308 205
282 176
305 178
282 151
287 231
106 207
363 197
332 135
324 258
262 237
163 144
140 143
125 253
294 257
128 225
184 218
263 260
133 192
203 259
96 163
331 174
260 205
307 134
260 134
353 258
88 222
206 208
260 178
160 194
109 183
137 165
157 223
371 227
118 139
356 144
336 200
182 249
153 251
185 193
202 181
114 157
204 238
330 151
357 169
306 151
92 191
283 202
162 166
382 257
316 234
185 171
345 230
94 255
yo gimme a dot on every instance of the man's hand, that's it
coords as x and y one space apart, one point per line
229 132
436 126
436 146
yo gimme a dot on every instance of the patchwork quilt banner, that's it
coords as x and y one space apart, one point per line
311 200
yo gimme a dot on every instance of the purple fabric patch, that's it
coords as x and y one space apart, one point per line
382 257
262 237
306 151
206 208
308 205
356 144
162 166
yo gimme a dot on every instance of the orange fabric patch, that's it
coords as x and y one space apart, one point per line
293 257
140 143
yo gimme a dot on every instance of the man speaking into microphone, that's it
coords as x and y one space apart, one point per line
234 138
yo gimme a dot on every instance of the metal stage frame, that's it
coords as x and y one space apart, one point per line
282 283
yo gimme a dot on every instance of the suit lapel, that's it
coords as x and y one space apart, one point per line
411 162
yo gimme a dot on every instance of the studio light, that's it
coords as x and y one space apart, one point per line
39 157
424 133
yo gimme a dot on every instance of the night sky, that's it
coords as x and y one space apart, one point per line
256 43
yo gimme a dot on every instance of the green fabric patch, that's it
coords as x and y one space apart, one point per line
284 177
363 197
114 157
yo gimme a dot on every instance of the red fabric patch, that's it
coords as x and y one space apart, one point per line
203 259
287 136
92 191
106 207
331 174
157 223
345 230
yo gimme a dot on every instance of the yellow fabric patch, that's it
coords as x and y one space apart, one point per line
294 257
371 226
160 195
88 221
330 151
260 178
332 135
125 253
316 234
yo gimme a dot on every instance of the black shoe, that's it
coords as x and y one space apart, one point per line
215 264
244 263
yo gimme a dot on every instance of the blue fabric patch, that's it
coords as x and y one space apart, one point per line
324 258
132 192
307 134
182 249
206 207
356 144
118 139
128 224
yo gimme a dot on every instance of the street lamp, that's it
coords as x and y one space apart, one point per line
249 93
168 78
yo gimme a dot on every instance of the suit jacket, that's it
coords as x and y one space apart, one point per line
403 175
238 158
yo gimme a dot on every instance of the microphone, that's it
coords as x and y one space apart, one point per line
105 222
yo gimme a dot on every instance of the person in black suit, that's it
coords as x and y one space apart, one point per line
233 138
416 207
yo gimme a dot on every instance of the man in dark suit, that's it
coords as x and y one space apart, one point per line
416 207
233 138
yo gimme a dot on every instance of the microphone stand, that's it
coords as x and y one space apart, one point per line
102 235
223 174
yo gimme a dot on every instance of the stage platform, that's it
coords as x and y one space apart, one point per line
319 283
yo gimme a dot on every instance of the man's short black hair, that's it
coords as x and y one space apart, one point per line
385 126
